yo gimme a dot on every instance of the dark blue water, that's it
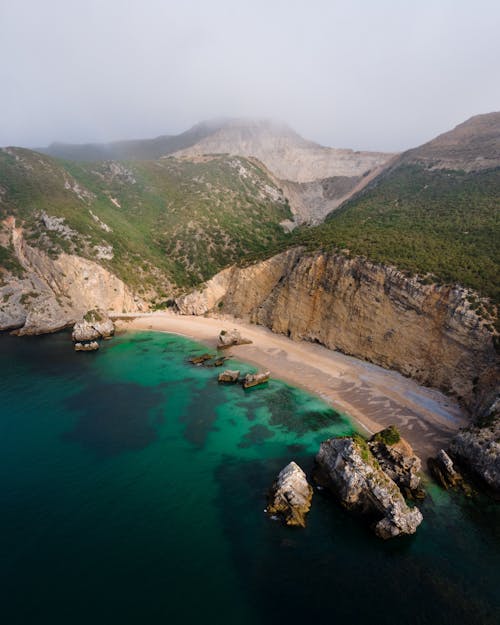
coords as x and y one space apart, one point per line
132 490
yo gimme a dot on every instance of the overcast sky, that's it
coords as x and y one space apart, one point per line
372 74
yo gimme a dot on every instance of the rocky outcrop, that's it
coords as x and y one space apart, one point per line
95 325
443 470
478 449
291 496
229 376
428 332
228 338
396 458
48 294
347 467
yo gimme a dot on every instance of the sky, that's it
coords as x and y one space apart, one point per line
362 74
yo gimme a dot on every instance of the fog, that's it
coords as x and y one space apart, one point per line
384 74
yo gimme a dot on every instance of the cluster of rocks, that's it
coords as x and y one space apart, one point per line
367 478
473 453
94 325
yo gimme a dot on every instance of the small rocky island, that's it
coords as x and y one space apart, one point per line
352 473
291 495
93 326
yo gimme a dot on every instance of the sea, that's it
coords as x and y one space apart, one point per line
133 491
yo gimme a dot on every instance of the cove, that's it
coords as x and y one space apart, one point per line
133 486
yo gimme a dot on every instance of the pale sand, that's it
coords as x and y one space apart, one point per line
371 396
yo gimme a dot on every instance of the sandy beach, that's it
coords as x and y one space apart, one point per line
371 396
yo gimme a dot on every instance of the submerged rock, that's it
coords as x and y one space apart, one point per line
396 458
229 376
95 325
228 338
347 467
291 496
254 379
199 360
91 346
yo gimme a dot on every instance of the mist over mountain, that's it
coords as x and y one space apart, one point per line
316 178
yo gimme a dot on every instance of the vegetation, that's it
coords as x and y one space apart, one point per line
388 436
93 316
365 452
168 223
9 261
443 225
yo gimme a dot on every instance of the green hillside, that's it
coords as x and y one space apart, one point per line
438 223
167 221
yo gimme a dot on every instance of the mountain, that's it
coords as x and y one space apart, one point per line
154 226
315 179
133 150
285 153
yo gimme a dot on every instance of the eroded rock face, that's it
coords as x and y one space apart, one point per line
52 293
291 496
398 461
478 449
95 325
443 470
374 312
347 467
228 338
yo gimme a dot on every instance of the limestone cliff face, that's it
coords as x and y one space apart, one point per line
370 311
51 294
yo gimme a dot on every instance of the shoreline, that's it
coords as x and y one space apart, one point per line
371 396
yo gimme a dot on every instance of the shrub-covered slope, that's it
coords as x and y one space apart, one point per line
156 224
439 223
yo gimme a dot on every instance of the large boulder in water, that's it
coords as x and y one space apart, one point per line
95 325
347 467
291 496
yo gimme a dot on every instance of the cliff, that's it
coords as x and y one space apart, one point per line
47 294
375 312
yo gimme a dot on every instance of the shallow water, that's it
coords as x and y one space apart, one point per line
132 491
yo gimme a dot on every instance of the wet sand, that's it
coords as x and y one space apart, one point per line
371 396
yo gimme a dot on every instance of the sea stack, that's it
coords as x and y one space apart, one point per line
291 496
348 469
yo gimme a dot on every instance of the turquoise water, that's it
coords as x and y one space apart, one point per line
133 486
